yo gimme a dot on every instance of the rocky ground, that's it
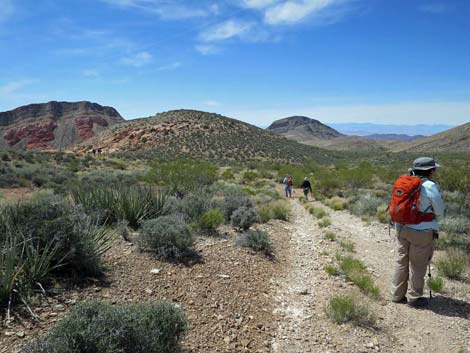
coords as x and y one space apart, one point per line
239 301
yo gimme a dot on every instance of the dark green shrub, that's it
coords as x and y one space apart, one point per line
233 202
453 264
228 174
211 220
278 209
249 175
331 236
344 308
169 237
103 328
436 284
325 222
244 217
257 240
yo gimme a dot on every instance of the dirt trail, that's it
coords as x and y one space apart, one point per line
303 290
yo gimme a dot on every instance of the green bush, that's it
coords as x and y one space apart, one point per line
344 308
337 203
210 220
318 212
44 237
233 202
244 217
325 222
331 270
278 209
103 328
193 205
347 245
436 284
365 204
249 175
382 214
331 236
228 174
257 240
453 264
169 237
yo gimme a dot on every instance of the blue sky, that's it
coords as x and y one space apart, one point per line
381 61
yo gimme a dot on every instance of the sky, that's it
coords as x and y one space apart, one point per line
378 61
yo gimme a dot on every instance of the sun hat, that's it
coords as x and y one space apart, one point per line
424 163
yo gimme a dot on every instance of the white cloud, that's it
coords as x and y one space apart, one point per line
171 10
225 30
211 103
293 12
172 66
138 60
207 49
91 73
6 9
258 4
434 8
14 86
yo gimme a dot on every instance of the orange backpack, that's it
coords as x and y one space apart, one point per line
404 206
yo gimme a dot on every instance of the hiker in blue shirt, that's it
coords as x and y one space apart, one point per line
288 185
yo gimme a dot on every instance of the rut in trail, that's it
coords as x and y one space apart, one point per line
302 292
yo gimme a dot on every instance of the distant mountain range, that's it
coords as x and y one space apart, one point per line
364 129
394 137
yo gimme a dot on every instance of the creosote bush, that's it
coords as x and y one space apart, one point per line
257 240
337 203
331 236
211 220
325 222
436 284
347 245
318 212
332 270
244 217
103 328
278 209
453 264
169 237
344 308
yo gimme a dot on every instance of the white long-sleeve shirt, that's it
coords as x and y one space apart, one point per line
430 202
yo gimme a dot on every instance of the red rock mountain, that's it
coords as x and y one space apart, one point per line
54 125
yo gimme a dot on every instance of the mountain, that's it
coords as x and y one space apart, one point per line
363 129
54 125
394 137
201 135
453 140
303 129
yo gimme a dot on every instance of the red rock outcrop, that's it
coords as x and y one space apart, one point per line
35 135
85 125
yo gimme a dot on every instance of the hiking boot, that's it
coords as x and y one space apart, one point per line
419 303
401 301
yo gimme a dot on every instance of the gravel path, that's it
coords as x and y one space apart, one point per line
303 289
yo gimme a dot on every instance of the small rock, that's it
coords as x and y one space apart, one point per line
155 271
20 334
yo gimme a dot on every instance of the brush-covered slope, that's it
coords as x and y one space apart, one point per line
456 140
303 129
54 125
201 135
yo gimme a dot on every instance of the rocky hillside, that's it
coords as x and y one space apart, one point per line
196 134
456 140
303 129
54 125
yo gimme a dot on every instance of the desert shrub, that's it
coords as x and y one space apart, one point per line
382 214
47 237
344 308
436 284
456 225
228 174
244 217
453 264
337 203
103 328
318 212
249 175
182 175
349 264
278 209
325 222
347 245
233 202
112 204
331 236
193 205
365 283
257 240
331 270
210 220
169 237
365 204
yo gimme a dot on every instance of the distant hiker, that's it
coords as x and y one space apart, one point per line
94 151
416 202
306 187
288 182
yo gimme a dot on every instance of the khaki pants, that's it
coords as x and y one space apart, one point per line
415 250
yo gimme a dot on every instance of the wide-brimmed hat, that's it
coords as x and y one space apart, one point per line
424 163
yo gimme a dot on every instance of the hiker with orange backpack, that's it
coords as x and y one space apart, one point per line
416 203
288 182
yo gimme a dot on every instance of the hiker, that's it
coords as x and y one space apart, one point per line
416 230
288 185
306 187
